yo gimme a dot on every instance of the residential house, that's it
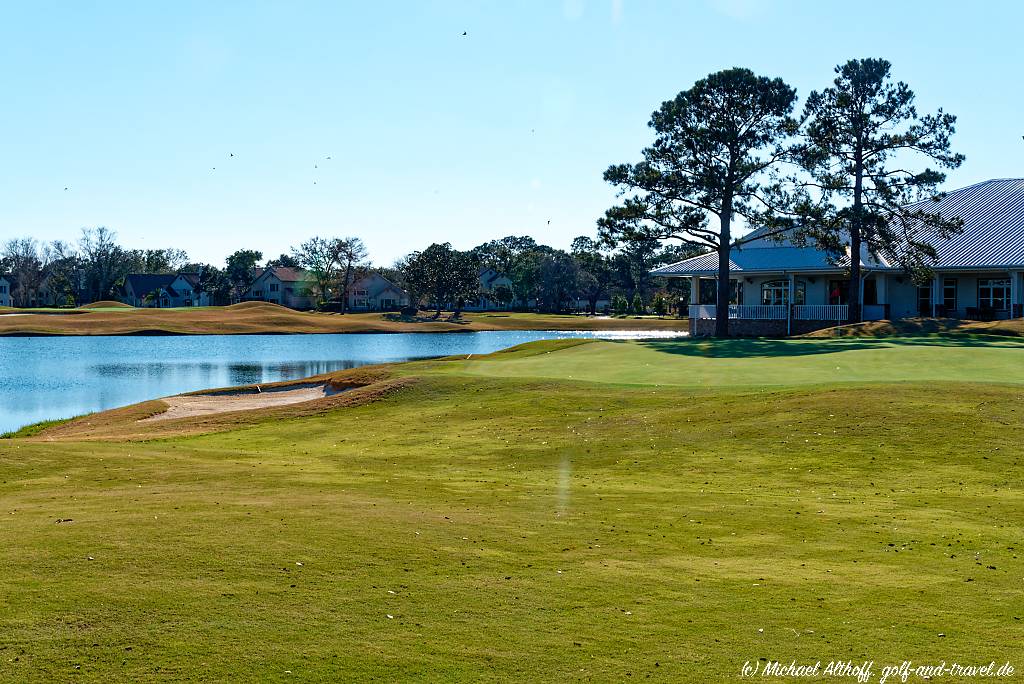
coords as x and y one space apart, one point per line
374 292
781 288
163 290
490 280
291 287
5 292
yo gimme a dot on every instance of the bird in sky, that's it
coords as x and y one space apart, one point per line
464 33
65 189
549 222
328 157
232 154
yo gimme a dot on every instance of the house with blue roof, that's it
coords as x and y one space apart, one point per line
163 290
782 288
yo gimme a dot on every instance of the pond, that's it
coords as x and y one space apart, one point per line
44 378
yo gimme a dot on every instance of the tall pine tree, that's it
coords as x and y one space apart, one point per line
860 137
716 147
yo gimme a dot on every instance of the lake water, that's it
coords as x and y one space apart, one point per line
43 378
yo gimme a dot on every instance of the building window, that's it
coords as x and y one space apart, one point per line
924 300
949 295
273 287
776 292
993 293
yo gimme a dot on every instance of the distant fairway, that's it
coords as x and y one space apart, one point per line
562 511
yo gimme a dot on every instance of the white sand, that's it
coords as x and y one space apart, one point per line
209 404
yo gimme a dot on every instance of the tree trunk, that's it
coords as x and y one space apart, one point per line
724 248
856 224
344 290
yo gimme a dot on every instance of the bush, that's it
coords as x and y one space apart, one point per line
638 305
659 305
619 305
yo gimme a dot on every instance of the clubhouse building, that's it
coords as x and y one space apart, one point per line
780 288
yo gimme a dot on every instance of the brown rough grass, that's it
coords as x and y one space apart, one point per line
106 304
264 318
923 326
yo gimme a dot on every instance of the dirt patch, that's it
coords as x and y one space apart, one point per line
193 405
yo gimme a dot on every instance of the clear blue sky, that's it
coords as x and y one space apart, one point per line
432 136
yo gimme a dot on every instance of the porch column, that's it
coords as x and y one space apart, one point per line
1014 291
789 304
881 281
694 291
936 294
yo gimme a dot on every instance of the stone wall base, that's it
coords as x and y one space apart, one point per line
748 328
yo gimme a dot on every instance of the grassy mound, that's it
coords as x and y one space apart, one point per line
923 326
106 304
257 306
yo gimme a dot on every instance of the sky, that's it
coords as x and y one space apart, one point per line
381 120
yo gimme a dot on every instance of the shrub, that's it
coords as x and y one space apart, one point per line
638 305
659 305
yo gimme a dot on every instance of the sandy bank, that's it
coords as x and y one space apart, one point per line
187 406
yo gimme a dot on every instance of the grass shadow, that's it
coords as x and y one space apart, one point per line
738 348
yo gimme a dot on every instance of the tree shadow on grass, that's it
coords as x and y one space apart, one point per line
739 348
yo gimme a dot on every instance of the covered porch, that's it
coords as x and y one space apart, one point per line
793 303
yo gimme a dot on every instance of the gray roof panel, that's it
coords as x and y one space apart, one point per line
993 236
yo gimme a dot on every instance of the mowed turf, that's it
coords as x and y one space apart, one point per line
760 363
486 523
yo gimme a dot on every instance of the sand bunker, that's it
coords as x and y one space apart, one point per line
188 406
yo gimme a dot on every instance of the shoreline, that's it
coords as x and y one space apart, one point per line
270 319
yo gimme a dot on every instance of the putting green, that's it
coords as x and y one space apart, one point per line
761 363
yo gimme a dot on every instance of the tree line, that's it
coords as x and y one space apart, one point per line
838 176
536 276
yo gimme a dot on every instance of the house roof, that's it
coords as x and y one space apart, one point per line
993 215
191 278
489 275
285 274
143 283
993 236
375 284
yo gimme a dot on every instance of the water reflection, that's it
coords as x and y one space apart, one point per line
42 378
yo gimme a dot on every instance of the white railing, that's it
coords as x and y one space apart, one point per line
741 312
821 312
757 312
873 312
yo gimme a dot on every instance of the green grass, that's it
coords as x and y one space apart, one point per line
34 429
519 524
763 362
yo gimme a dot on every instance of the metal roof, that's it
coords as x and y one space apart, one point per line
993 237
